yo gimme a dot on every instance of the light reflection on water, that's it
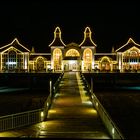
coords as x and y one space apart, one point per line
131 88
7 89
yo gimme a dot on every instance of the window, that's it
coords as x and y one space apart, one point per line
57 59
87 58
72 52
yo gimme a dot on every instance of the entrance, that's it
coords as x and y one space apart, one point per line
72 65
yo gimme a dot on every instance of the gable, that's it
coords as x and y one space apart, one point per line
15 43
130 44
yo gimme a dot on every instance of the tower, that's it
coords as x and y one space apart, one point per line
88 48
57 49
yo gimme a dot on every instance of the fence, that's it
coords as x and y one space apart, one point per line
20 119
108 122
29 117
53 90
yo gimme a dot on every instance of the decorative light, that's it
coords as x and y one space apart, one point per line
57 31
11 48
12 44
72 52
42 115
97 104
113 131
129 40
89 35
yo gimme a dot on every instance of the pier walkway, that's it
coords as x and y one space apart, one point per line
72 114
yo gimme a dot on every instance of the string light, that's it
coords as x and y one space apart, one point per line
129 40
57 33
10 44
87 33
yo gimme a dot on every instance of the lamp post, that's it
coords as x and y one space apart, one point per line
51 89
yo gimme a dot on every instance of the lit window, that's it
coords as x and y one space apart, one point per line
87 58
72 52
57 58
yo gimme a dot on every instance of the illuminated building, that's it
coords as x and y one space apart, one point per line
69 57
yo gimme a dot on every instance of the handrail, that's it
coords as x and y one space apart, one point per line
48 102
55 86
20 119
103 109
30 111
108 116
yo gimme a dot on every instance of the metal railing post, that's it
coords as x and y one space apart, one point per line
91 85
51 89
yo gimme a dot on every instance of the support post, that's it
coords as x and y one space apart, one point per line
50 89
91 86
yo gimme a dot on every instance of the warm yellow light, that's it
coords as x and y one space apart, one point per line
129 40
91 111
87 29
12 44
131 49
72 52
97 104
57 59
57 31
105 57
52 111
43 125
12 48
113 130
42 114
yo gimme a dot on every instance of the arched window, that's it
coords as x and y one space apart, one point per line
133 53
87 58
40 63
57 59
12 59
105 64
72 52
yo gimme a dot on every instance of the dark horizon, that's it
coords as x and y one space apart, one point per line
33 23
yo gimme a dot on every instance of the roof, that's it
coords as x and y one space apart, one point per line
98 56
72 44
35 55
87 41
15 43
130 43
57 41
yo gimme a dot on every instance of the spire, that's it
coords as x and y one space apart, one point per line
113 49
57 41
33 50
87 41
87 32
57 32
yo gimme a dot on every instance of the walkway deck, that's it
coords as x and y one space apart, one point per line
72 114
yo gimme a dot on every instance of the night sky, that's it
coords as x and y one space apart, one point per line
33 22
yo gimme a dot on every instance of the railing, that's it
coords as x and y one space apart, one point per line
53 90
108 122
29 117
56 85
20 119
